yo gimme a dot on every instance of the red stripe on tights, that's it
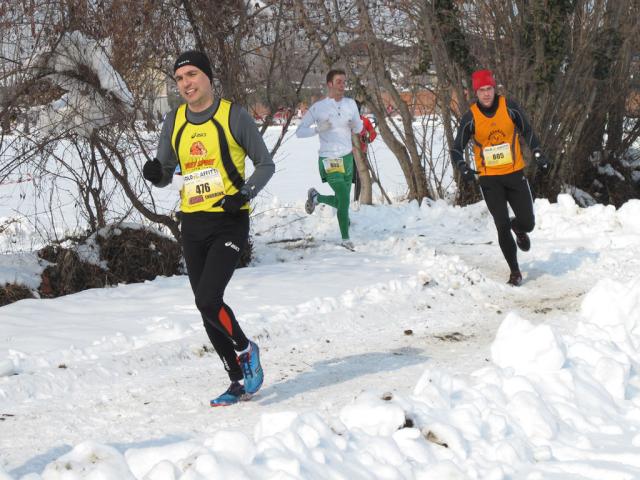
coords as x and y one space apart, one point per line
225 320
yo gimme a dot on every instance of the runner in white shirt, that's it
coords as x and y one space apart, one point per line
334 119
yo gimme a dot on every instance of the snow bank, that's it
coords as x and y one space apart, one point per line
549 406
527 348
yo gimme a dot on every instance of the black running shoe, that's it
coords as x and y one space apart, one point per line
515 279
522 239
312 201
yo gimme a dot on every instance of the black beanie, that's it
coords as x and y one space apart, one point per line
197 59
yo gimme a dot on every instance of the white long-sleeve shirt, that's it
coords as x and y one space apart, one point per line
344 118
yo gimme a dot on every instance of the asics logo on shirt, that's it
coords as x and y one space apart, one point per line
232 245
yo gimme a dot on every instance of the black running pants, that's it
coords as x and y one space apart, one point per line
211 244
498 192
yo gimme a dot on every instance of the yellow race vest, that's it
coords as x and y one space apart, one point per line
211 161
496 146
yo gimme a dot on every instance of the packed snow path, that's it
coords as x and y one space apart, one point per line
131 366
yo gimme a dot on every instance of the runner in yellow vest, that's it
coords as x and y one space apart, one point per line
202 150
496 124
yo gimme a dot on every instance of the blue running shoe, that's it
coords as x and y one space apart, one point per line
251 369
234 394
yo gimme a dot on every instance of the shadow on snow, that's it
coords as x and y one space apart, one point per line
339 370
559 263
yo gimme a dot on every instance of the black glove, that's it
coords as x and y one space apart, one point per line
468 175
152 171
541 161
232 203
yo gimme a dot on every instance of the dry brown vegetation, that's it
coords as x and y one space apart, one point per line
573 64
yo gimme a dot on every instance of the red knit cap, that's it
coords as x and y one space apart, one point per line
482 78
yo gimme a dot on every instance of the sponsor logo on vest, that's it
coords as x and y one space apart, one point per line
197 149
496 137
206 162
198 134
232 245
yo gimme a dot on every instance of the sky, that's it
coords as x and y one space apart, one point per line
409 358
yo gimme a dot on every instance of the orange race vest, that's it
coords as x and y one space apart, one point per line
496 143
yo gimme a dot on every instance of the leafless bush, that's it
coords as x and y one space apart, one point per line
570 64
136 255
68 273
12 292
125 255
89 80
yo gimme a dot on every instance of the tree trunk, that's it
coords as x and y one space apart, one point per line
366 195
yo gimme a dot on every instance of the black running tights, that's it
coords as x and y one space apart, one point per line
211 244
498 192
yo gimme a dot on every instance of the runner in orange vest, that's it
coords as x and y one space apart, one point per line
496 124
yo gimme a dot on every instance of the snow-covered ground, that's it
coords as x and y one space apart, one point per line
409 358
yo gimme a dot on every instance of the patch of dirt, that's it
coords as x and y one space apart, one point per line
294 243
567 302
453 337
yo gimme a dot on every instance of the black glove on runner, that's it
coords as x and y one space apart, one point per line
232 203
468 175
152 171
542 162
